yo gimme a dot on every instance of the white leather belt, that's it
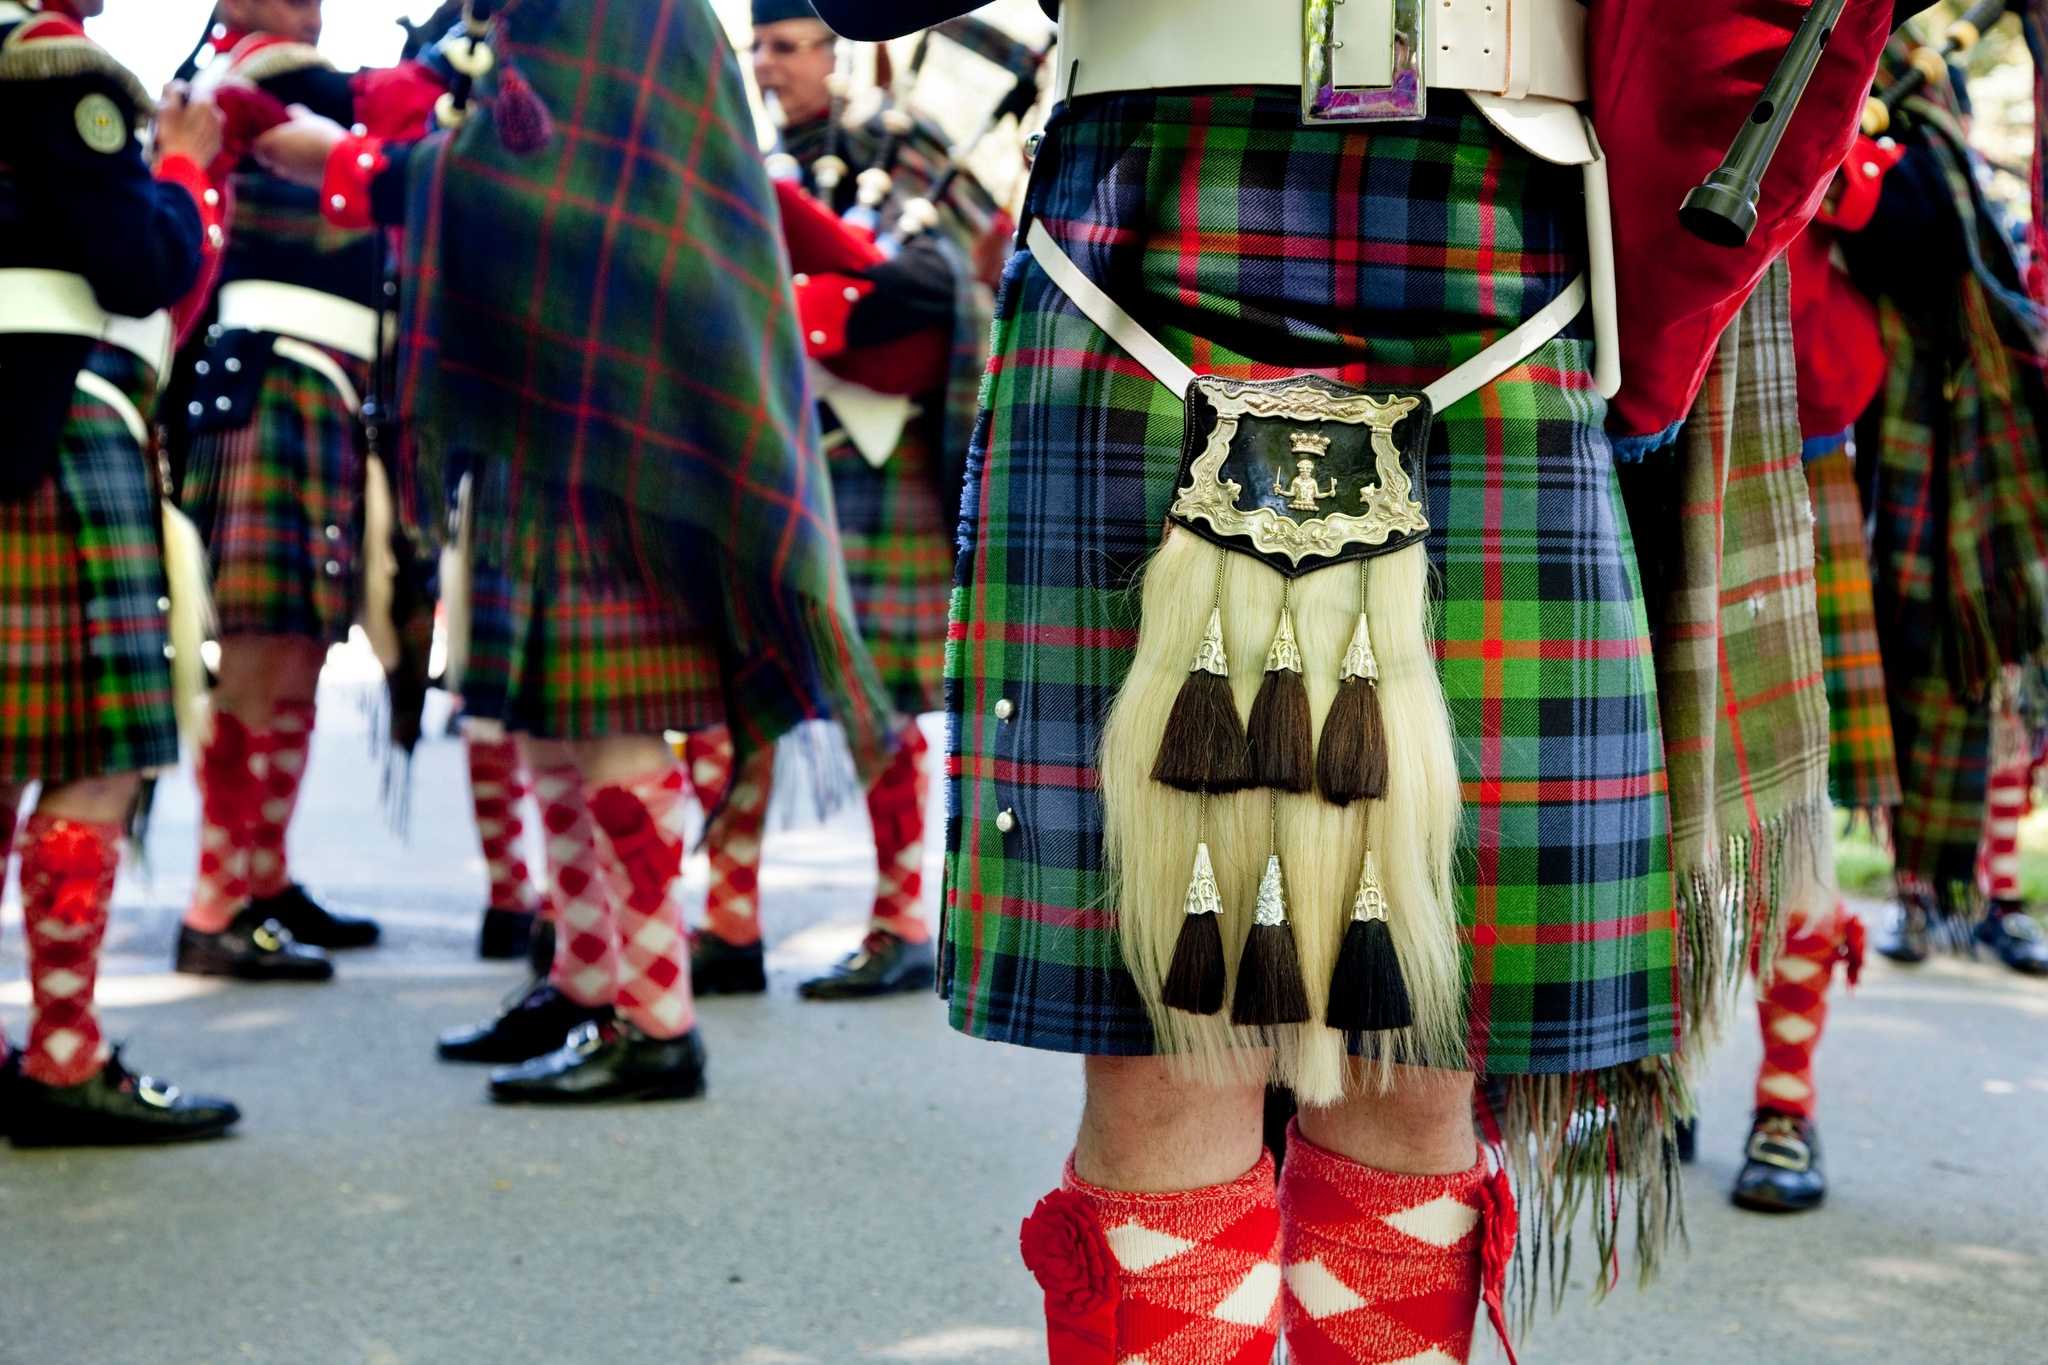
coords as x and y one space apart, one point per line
295 311
1511 49
59 303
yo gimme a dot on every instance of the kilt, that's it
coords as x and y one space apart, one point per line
279 503
568 638
1863 769
85 690
897 533
1254 247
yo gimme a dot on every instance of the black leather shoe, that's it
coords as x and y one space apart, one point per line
1907 942
535 1024
2016 938
721 968
605 1062
252 948
884 965
113 1109
506 936
313 924
540 954
1783 1172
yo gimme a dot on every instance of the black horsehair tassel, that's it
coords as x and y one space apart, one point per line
1367 992
1203 746
1351 764
1269 985
1281 732
1194 982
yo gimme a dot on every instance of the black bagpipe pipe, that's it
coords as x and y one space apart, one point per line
1931 64
468 62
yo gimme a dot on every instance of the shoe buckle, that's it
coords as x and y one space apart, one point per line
1403 95
584 1039
156 1093
269 936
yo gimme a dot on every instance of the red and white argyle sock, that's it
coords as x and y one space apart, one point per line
1792 1009
282 769
496 789
67 881
896 804
1191 1278
2007 799
8 796
707 756
1384 1267
654 953
586 965
732 907
228 797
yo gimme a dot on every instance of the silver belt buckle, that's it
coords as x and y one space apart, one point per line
1325 101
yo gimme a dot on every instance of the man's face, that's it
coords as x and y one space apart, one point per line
298 20
792 59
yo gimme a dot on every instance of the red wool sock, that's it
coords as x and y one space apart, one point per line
896 805
732 908
67 881
1793 1009
1170 1279
281 767
228 797
2006 801
496 789
1384 1267
586 967
707 754
654 967
8 796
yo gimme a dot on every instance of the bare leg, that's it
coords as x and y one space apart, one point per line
1421 1126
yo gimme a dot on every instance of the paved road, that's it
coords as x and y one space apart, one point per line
850 1189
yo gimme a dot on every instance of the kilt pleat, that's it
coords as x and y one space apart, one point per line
897 534
1863 768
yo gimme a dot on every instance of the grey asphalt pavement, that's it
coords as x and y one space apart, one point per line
849 1190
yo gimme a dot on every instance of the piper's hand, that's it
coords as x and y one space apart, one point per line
188 127
298 150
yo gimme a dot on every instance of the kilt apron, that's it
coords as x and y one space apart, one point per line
1255 248
896 530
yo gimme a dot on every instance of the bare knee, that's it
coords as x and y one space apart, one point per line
96 800
1146 1128
622 758
1420 1125
259 671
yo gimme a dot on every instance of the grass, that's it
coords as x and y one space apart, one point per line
1864 865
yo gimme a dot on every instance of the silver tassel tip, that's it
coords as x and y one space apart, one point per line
1285 654
1359 660
1204 897
1371 901
1209 655
1272 906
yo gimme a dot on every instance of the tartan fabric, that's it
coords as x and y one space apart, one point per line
84 687
898 537
1863 768
278 502
610 316
566 641
1739 670
1253 247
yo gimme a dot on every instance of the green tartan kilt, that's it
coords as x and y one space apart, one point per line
568 638
279 503
1254 247
897 534
85 690
1863 768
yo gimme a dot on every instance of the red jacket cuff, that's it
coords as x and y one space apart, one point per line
189 176
345 187
824 304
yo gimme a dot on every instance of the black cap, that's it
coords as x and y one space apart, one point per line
775 11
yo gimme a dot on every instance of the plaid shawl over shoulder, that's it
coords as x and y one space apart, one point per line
611 316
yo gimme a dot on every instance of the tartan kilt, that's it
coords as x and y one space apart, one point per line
1254 247
568 638
85 690
897 534
1863 767
279 503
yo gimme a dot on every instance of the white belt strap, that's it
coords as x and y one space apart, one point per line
1120 327
100 389
59 303
295 311
322 364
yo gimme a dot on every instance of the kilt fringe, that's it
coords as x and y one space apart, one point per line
1152 830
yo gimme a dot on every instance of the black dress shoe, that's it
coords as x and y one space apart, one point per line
603 1062
1907 942
2016 938
113 1109
884 965
253 947
506 935
313 924
1782 1173
540 954
535 1024
721 968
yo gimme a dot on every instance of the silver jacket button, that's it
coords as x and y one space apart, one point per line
1006 821
1005 709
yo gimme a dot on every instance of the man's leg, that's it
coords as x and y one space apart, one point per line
727 957
496 789
10 802
896 954
2006 929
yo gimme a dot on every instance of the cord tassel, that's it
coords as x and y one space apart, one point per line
1269 985
1203 746
1194 982
1351 764
1367 992
1282 733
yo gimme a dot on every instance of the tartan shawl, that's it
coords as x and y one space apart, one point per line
1739 672
611 316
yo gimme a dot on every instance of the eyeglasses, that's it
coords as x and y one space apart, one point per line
786 47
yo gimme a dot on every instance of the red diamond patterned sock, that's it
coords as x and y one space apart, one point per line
732 907
1384 1267
281 768
1194 1276
228 797
586 965
8 796
1793 1009
896 805
67 881
496 789
654 968
2006 800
